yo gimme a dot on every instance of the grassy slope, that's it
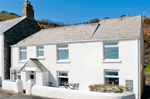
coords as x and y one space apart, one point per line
7 16
148 68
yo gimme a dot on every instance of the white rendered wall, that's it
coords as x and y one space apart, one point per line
75 94
86 63
45 78
39 79
8 85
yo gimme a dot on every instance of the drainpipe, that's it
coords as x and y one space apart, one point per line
139 84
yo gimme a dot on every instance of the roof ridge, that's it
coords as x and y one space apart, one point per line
128 16
70 26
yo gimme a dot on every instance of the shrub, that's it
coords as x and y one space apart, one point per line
108 88
94 20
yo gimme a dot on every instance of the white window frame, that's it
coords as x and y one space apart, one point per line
39 57
18 74
62 60
109 46
63 76
20 50
109 76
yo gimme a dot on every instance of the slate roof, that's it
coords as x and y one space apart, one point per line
117 28
35 62
8 24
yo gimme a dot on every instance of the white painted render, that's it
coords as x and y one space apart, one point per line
86 65
77 94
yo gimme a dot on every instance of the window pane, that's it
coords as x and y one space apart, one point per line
40 53
63 80
62 54
112 80
110 43
62 46
23 48
111 53
63 74
111 73
41 47
23 55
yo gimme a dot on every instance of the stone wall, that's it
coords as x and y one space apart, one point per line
147 59
20 31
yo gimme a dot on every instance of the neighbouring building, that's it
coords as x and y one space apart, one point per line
111 51
12 31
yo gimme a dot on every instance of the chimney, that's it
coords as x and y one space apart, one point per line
28 9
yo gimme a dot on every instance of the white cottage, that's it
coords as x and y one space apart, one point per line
111 51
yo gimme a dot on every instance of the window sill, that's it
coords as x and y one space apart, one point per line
111 61
22 61
41 58
63 61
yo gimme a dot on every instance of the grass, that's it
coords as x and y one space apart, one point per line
147 68
7 16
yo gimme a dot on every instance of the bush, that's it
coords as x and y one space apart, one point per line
109 88
94 20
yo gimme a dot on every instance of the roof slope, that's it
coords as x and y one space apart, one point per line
6 25
61 34
35 63
117 28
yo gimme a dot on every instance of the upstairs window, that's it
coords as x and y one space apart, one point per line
40 51
111 50
23 53
63 52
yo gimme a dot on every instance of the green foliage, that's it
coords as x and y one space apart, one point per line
106 18
147 21
6 16
46 23
94 20
147 68
123 15
75 24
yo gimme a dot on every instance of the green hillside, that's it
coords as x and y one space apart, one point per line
7 16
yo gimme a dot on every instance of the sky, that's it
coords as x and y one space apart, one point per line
76 11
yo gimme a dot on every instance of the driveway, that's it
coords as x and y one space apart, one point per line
6 95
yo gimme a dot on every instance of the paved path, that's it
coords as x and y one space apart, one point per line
5 95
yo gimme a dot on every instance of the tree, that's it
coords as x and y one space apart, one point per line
123 15
75 24
106 18
94 20
4 11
